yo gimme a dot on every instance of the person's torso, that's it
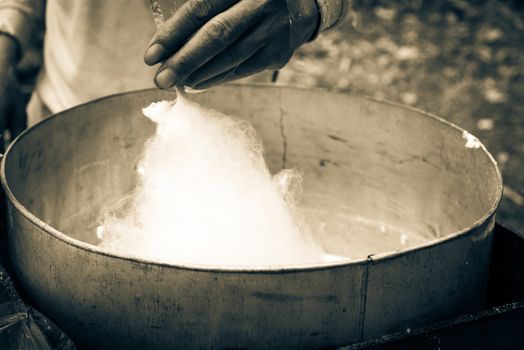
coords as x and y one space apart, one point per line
94 48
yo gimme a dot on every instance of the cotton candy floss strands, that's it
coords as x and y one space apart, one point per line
205 196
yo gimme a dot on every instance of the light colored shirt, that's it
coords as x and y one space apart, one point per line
94 48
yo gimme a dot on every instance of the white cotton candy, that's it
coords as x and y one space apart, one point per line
205 196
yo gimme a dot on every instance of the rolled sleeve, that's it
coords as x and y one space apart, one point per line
334 12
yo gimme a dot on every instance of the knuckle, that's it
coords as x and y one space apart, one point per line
220 28
184 65
280 60
277 65
199 10
286 56
271 4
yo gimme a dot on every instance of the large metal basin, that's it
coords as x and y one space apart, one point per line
371 168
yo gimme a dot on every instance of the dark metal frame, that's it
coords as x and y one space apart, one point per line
499 326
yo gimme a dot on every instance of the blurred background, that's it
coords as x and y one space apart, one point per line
461 60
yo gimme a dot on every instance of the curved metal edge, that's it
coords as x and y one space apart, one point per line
451 236
277 269
250 269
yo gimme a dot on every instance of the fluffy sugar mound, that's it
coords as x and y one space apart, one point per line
205 196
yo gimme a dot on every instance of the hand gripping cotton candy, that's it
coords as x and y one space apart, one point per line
206 196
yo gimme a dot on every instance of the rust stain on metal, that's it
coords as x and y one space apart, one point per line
337 138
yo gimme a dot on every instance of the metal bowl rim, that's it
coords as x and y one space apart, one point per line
251 269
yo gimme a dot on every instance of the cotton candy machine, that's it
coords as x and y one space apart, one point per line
392 188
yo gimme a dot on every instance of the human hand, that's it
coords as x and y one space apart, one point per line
208 42
11 110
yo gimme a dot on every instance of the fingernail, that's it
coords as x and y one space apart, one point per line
154 54
165 79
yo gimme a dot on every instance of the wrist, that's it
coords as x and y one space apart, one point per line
318 22
311 13
305 17
332 12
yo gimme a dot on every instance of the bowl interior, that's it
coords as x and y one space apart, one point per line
378 177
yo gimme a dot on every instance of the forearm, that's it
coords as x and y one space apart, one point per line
8 82
8 47
18 20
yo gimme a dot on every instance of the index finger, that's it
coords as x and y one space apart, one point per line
215 36
187 20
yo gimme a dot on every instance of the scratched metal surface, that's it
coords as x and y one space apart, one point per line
361 158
